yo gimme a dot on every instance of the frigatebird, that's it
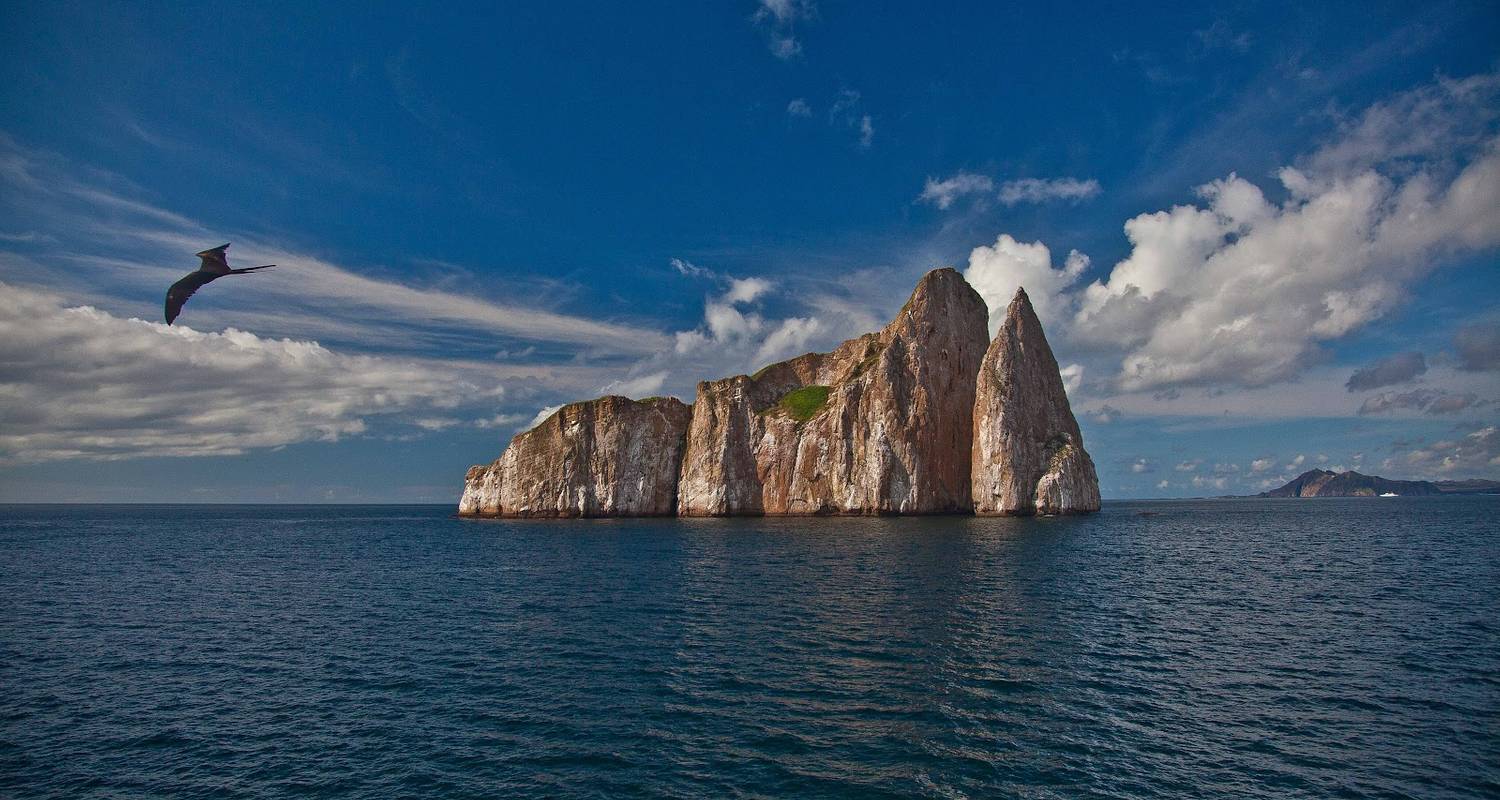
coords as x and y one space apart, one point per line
213 267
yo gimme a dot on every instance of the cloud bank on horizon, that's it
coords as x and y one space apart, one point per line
1266 299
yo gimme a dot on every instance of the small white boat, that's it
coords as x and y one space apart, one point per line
1390 494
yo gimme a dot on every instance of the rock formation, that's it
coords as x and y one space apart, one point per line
880 425
1323 483
903 421
610 457
1028 455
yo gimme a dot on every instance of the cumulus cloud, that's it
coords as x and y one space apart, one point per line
637 387
942 193
1478 347
542 415
1072 377
1240 290
799 108
84 384
789 339
1200 482
1141 466
1189 466
1388 371
1262 464
996 271
866 131
1043 190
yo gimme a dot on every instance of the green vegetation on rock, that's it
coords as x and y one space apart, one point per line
803 403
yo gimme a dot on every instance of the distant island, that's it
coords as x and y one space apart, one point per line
1323 483
927 416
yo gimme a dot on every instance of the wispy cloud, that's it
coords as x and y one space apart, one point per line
778 19
942 193
1043 190
102 224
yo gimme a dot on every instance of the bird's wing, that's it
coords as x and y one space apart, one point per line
214 260
183 289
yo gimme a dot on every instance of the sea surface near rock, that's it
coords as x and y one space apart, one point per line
1252 649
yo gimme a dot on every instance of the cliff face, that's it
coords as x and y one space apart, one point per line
1028 455
610 457
918 418
880 425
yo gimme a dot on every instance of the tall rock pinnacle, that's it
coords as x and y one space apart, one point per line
881 425
1028 455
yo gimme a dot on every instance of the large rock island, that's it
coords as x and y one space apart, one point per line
918 418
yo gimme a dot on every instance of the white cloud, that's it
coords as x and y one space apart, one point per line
542 415
691 270
997 271
1433 401
1296 462
1188 466
1476 454
113 238
746 290
799 108
866 132
1200 482
82 383
779 18
1042 190
637 387
1072 377
1141 465
1262 464
1240 290
789 339
1162 484
942 193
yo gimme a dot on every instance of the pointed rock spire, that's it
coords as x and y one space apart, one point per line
1028 455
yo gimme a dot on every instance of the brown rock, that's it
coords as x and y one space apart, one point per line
1028 455
891 435
610 457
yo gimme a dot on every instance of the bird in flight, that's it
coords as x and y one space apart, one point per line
214 266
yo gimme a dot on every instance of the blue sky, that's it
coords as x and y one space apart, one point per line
1223 212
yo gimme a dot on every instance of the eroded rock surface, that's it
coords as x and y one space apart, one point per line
610 457
1028 455
892 435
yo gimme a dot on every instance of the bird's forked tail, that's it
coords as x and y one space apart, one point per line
247 270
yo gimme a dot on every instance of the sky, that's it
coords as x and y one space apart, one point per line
1262 238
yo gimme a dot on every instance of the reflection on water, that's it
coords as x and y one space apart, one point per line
1245 648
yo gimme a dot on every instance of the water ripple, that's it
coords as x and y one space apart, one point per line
1232 648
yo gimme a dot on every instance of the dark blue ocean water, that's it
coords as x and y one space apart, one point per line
1329 648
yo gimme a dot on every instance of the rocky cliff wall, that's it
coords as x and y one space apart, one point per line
880 425
1028 455
610 457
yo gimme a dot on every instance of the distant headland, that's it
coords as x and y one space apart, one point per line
1323 483
927 416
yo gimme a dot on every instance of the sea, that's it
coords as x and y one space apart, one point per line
1177 649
